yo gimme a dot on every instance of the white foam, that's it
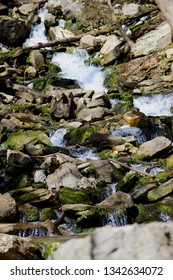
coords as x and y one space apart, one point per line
73 67
57 138
155 104
37 34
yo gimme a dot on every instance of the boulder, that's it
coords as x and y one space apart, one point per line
66 175
16 30
157 146
88 41
161 191
110 45
155 40
57 33
117 199
36 59
17 158
7 206
17 248
151 241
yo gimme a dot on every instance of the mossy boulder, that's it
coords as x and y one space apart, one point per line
47 213
160 192
169 163
128 183
145 214
32 214
17 140
89 195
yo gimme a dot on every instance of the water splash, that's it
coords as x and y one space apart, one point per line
126 130
57 137
83 153
155 104
73 67
38 31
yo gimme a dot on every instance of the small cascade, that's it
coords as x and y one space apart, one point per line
110 189
155 104
126 130
73 67
38 32
57 137
83 153
115 218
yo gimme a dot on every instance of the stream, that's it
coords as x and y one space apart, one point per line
89 77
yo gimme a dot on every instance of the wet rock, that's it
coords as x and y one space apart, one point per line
154 148
57 33
161 191
136 242
7 206
155 40
117 199
17 159
17 248
16 29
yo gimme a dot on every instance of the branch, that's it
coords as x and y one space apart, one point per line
116 22
68 40
113 161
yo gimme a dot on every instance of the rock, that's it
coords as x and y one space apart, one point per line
139 194
17 31
117 199
62 107
3 9
133 242
57 33
49 20
36 59
110 45
161 191
88 41
66 175
35 196
131 9
39 176
7 206
17 248
155 40
76 207
88 114
17 159
26 9
154 148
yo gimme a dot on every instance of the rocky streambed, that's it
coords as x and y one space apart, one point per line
86 125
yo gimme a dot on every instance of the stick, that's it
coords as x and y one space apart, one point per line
115 20
113 161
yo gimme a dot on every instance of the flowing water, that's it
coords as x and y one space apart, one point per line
73 67
38 32
155 104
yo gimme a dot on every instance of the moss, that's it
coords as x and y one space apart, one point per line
27 197
128 183
169 163
81 134
19 139
20 108
47 213
146 214
50 248
162 177
112 74
32 214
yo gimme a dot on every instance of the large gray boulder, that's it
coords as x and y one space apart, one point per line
155 40
151 241
157 146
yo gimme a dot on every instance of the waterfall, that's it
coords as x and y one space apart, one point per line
37 34
155 104
73 67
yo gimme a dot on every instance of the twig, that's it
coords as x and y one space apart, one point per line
113 161
115 20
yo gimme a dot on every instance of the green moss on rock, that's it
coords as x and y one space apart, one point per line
47 213
32 214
